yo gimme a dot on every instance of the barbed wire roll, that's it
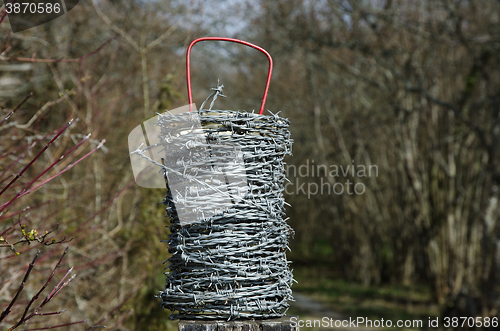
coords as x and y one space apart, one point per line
232 265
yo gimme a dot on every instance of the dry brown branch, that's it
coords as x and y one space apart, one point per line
34 59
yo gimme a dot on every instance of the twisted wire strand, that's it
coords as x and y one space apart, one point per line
232 263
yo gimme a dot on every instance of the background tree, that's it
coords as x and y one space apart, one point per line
413 88
409 86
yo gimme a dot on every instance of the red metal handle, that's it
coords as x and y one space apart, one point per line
188 67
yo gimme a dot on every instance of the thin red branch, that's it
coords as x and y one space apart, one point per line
24 146
43 287
16 161
16 108
63 171
53 313
59 287
54 292
19 194
26 209
21 287
32 161
5 14
13 225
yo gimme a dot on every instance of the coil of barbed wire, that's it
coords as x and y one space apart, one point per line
230 264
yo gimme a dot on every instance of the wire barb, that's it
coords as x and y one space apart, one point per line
230 264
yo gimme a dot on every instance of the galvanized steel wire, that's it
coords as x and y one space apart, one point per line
232 265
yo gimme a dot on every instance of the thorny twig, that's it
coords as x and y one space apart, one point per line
63 283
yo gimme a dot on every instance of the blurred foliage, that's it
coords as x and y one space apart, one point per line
409 86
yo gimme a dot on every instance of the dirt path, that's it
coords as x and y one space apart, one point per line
313 307
317 309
